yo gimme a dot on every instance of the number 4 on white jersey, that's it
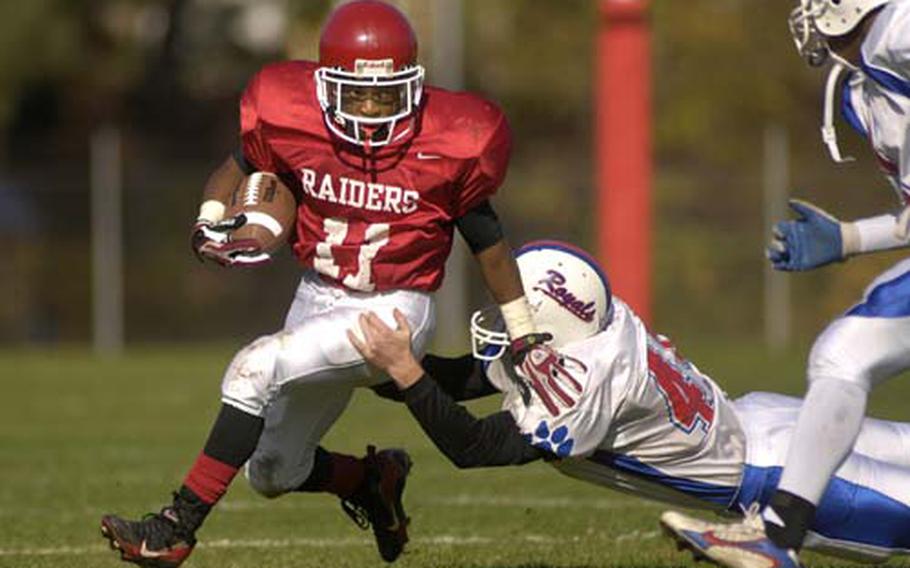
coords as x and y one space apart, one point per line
376 236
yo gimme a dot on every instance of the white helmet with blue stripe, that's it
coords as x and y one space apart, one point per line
813 21
568 292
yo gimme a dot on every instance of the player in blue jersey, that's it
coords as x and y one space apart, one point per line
870 342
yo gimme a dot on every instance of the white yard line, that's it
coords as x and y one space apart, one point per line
464 500
449 540
637 535
56 551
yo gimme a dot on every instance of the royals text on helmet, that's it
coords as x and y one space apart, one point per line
368 46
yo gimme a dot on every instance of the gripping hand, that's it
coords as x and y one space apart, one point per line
553 376
523 345
811 240
212 241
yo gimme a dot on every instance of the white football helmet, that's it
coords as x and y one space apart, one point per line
813 21
568 292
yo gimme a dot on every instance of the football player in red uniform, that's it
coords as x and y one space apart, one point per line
384 169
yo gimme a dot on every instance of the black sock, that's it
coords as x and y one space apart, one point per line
191 510
797 515
231 442
234 436
320 474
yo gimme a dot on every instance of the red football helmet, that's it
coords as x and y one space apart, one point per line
368 51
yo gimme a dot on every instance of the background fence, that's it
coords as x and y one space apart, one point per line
167 76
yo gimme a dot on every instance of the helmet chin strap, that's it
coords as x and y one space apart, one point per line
817 57
829 133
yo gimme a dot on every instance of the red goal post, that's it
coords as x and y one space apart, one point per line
622 149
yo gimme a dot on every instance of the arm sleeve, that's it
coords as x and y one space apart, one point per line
874 234
245 166
488 169
466 440
254 149
480 227
461 378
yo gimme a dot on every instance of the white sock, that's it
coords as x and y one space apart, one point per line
828 424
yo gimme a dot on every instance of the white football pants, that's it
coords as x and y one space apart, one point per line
301 378
864 512
859 350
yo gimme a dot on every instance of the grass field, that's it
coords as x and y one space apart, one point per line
79 438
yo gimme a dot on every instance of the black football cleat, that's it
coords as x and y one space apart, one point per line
156 541
377 502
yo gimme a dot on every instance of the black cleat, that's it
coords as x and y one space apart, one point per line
377 501
154 542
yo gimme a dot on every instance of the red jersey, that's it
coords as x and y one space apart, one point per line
375 219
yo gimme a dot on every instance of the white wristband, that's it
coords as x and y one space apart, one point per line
211 211
872 234
850 241
517 317
902 230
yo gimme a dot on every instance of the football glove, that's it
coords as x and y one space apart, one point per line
550 374
811 240
523 345
212 241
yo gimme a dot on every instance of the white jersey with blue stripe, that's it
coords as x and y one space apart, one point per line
636 417
642 419
876 99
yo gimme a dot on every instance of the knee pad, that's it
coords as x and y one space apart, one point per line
271 477
249 382
261 472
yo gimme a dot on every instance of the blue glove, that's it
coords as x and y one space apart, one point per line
811 240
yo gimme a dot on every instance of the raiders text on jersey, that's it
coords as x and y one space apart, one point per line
359 194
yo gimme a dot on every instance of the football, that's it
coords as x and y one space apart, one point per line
269 207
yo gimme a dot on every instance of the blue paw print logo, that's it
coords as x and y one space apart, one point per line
556 441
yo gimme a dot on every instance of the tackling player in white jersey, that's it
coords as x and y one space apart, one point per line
870 343
616 405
